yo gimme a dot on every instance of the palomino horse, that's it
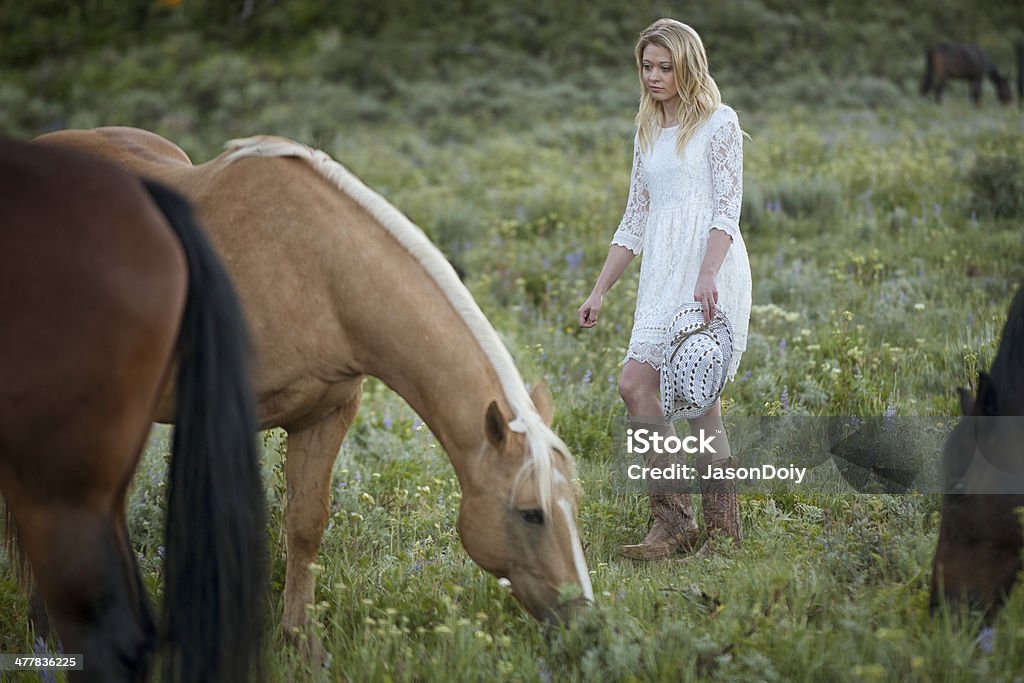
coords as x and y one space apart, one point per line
109 290
338 284
980 537
969 62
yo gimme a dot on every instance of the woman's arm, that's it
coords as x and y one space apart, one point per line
706 290
726 154
627 242
618 258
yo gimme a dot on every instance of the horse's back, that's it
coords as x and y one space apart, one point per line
959 61
288 236
133 148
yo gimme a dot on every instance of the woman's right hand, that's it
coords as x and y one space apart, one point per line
588 311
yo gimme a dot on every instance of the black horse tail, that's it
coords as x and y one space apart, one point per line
215 571
929 75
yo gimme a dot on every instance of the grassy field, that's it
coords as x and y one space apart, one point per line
885 244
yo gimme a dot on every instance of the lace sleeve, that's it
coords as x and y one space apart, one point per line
630 233
726 153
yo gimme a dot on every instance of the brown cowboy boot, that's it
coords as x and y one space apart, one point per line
720 502
673 521
673 527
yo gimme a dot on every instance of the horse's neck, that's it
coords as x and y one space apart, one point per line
430 358
404 330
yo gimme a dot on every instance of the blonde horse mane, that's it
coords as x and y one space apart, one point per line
540 438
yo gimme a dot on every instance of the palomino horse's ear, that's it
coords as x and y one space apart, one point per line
495 425
541 397
966 401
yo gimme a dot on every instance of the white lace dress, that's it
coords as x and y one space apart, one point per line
674 203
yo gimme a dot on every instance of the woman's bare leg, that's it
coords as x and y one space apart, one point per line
674 523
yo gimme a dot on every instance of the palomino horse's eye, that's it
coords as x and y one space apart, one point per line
532 516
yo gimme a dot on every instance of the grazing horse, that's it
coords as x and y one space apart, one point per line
109 293
969 62
980 536
338 284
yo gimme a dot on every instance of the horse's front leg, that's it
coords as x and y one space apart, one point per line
308 464
976 90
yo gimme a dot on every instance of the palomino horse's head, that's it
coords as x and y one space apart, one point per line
518 519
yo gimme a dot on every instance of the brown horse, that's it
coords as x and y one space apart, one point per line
109 291
338 284
980 537
969 62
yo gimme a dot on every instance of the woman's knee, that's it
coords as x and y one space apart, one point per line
628 389
636 388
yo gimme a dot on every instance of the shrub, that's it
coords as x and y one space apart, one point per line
814 197
996 181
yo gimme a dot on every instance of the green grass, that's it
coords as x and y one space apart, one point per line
878 284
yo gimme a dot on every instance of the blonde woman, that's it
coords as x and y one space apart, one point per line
683 213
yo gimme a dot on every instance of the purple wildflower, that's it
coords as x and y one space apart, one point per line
388 421
39 648
543 673
986 640
574 259
782 346
784 399
587 376
890 414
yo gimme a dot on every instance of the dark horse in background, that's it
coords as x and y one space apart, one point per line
969 62
110 293
980 537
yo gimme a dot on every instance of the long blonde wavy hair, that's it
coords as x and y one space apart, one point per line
698 93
